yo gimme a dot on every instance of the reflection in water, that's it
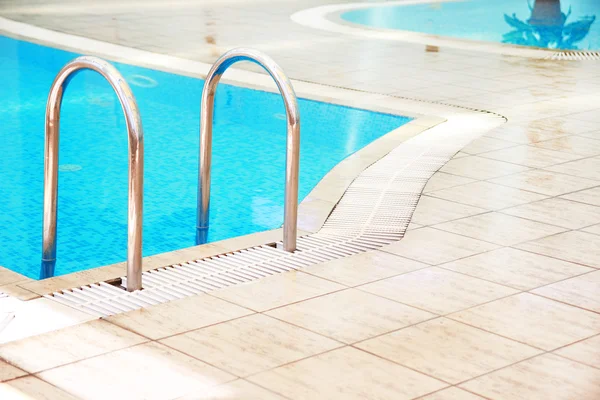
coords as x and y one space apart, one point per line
547 27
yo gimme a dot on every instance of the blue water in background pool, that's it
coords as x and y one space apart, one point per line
485 20
248 159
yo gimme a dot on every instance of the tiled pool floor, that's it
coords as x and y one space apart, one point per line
493 293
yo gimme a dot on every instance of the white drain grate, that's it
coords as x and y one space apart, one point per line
374 211
212 273
575 55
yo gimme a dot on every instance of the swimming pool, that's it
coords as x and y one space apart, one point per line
506 21
248 159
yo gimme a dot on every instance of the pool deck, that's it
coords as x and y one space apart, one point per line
494 292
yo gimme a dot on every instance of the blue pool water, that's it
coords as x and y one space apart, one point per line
248 159
500 21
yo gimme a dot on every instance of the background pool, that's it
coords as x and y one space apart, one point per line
485 20
248 159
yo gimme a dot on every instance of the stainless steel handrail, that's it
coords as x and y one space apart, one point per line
136 165
290 220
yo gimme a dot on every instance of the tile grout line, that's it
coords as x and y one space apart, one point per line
543 353
563 302
554 257
498 244
513 287
402 365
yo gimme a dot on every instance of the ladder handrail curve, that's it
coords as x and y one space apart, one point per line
136 165
293 141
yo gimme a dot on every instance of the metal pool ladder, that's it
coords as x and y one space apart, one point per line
290 220
136 165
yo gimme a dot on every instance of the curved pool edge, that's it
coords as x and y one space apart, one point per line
316 207
327 18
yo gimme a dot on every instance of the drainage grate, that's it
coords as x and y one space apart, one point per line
374 211
574 55
212 273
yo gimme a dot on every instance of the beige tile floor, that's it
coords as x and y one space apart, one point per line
494 292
